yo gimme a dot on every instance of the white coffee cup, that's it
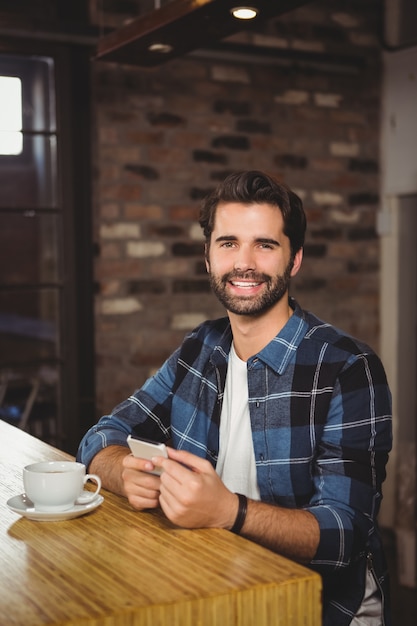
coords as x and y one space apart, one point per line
58 485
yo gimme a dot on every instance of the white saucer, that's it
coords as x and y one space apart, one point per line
22 505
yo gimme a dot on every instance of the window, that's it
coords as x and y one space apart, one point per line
46 334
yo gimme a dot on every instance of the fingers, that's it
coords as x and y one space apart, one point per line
196 463
140 486
180 463
146 501
192 495
135 463
189 490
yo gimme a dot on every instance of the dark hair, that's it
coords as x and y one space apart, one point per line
249 187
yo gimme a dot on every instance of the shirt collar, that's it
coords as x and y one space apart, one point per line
279 352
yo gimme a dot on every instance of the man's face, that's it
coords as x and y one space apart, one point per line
249 260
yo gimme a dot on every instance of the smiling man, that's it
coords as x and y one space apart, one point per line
279 424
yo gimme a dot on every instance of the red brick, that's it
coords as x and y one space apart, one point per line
183 212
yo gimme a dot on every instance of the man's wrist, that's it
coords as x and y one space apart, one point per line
241 514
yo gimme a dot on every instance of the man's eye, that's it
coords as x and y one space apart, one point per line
228 244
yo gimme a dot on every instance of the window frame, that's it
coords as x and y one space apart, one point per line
72 89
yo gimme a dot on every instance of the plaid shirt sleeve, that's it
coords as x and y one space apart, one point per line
321 420
350 464
148 410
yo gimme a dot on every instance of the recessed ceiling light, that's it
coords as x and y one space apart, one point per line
244 13
161 48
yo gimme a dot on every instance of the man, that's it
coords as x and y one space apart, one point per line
280 424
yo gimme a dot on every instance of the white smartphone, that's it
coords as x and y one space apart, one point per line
145 449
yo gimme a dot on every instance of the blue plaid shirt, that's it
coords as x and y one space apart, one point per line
320 411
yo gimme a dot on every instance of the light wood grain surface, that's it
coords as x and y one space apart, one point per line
119 567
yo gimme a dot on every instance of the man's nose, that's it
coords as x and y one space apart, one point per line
244 259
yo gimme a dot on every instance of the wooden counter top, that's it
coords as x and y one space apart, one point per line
118 567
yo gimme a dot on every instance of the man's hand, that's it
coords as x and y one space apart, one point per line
140 486
192 494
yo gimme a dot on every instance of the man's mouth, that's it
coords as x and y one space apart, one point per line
243 285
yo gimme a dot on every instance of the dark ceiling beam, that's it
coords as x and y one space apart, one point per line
182 26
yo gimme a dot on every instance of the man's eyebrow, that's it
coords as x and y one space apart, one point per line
226 238
272 242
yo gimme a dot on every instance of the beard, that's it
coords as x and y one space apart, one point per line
274 290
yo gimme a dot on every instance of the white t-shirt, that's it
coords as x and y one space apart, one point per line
236 463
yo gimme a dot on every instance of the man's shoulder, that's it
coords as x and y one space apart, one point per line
208 335
198 349
214 329
327 333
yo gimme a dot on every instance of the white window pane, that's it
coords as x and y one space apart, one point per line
11 142
10 103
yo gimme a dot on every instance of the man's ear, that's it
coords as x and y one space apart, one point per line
297 262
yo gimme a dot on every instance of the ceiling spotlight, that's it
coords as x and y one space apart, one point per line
244 13
161 48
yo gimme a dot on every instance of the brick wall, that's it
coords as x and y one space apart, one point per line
165 137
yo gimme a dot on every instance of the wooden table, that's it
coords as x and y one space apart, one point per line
118 567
